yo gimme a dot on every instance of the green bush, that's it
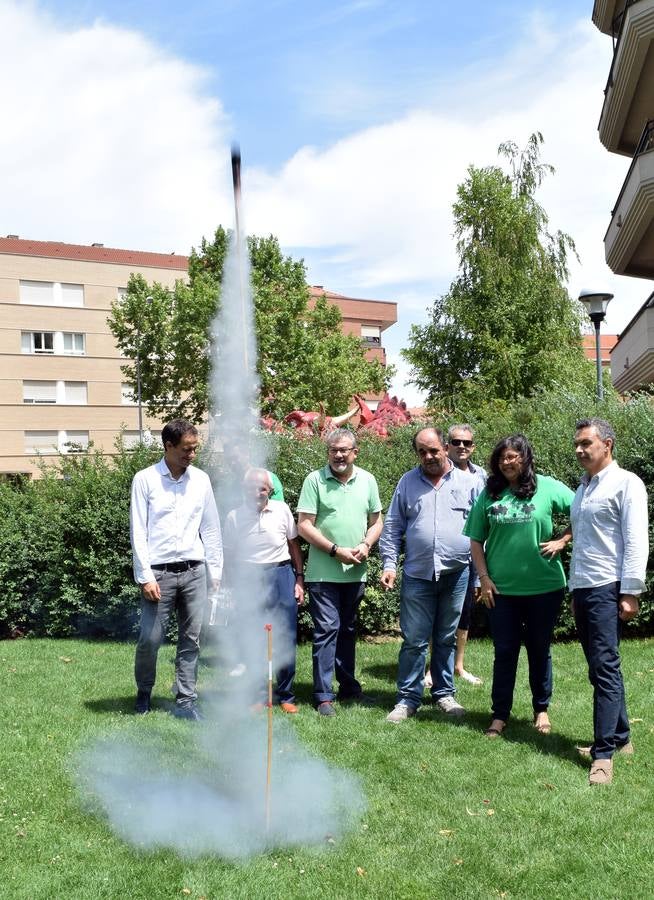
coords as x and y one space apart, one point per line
65 558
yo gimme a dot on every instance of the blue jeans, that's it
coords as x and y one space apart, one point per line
513 619
598 626
185 592
429 610
333 607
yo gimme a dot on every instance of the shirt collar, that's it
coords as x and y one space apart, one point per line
162 468
446 474
586 479
329 474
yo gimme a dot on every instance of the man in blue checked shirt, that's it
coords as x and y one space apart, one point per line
428 511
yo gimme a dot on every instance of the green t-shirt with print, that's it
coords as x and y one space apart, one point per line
512 531
341 512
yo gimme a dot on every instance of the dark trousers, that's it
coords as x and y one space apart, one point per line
514 620
598 627
333 609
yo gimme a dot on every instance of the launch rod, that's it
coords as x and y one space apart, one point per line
270 724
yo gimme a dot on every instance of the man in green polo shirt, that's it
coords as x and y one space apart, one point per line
339 514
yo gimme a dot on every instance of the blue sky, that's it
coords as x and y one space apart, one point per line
356 122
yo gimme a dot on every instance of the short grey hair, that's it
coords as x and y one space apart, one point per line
338 434
601 426
462 427
254 473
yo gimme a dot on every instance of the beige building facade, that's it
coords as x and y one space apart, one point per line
61 383
626 126
60 379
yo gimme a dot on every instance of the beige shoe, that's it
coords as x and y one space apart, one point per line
625 750
601 772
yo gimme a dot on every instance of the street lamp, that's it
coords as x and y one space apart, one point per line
148 300
596 304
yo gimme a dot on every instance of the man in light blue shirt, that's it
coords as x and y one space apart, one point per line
428 511
607 575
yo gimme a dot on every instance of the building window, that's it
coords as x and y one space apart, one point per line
51 293
74 441
41 441
75 393
121 294
371 335
130 439
39 392
74 343
127 395
37 342
56 441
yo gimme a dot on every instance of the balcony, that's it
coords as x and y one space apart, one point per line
605 12
629 92
629 241
632 358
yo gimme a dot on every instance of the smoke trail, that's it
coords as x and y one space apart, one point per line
208 794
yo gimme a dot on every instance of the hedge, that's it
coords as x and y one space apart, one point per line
65 560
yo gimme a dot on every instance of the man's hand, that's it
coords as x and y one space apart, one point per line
299 591
388 579
151 591
347 555
551 549
361 551
628 606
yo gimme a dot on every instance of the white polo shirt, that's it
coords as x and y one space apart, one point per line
261 537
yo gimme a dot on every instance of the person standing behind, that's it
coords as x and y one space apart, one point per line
262 548
522 579
428 510
175 535
460 447
339 514
607 575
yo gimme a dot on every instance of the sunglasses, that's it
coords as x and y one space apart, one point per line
459 442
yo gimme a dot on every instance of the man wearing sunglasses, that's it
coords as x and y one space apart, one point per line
460 447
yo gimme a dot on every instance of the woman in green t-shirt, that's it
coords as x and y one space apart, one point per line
522 579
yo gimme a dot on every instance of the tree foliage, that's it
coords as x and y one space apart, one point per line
304 359
507 326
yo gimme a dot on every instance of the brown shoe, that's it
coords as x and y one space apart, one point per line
601 772
625 750
289 708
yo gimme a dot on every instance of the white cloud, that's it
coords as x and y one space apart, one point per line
106 137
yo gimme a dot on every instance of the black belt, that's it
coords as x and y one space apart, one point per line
285 562
178 566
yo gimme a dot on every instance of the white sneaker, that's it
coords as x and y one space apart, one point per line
449 706
400 713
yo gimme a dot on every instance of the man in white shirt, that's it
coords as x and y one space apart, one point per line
607 575
175 533
264 565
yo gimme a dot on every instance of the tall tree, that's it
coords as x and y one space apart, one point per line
303 360
507 326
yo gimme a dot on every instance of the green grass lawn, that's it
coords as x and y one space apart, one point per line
449 812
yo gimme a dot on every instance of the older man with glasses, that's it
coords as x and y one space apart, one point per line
339 514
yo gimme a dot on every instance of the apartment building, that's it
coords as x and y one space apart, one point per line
60 376
626 126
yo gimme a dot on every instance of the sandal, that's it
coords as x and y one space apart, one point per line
493 731
542 727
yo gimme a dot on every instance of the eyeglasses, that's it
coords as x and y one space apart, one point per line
510 458
459 442
341 451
